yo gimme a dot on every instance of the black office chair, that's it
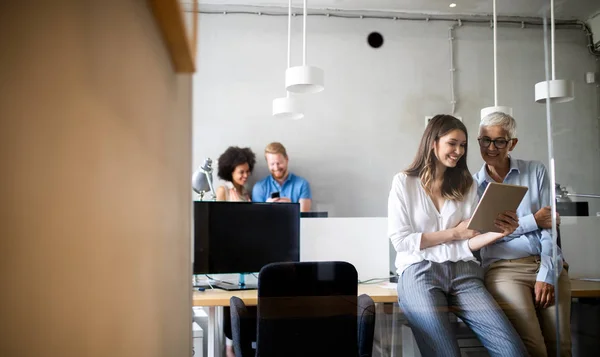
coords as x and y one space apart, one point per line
306 309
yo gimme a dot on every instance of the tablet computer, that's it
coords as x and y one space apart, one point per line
497 198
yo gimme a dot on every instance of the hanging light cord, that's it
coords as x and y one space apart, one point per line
289 35
289 40
495 59
304 35
552 37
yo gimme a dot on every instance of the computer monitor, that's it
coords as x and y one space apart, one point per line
314 214
573 208
242 237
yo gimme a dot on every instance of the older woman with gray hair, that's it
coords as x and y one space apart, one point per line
520 269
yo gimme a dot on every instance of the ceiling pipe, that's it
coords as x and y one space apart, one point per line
474 19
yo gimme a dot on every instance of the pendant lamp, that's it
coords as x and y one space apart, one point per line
304 79
555 90
288 107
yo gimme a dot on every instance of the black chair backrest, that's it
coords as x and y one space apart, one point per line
307 309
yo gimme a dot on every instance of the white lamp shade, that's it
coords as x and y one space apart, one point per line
287 108
304 79
560 91
502 109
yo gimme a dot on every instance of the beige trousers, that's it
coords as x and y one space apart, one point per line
511 283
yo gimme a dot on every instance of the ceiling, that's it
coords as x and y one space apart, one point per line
564 9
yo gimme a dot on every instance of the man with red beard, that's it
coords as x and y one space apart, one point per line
281 185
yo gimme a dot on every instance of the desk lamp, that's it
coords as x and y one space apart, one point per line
202 180
562 195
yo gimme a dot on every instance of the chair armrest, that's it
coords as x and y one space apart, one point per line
240 331
366 325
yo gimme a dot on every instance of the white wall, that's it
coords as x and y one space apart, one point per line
95 147
594 24
580 245
367 123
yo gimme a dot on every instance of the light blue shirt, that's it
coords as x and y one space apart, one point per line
528 239
294 187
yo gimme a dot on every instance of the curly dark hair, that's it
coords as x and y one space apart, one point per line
232 158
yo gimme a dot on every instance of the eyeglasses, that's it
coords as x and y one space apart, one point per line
500 143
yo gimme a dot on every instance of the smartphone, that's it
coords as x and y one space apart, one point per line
275 195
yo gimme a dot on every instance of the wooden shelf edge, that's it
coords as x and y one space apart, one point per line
169 18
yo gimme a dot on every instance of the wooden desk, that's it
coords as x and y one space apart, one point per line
219 297
216 298
583 289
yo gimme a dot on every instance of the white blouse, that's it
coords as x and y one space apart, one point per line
411 213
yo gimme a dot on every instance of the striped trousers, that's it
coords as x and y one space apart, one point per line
427 291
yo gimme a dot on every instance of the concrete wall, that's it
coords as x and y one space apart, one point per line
367 123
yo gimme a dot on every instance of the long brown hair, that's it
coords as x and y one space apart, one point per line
457 180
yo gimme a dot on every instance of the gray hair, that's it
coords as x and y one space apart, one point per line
504 120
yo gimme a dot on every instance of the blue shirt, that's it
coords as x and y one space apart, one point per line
294 187
528 239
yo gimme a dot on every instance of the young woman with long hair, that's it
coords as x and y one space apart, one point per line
428 209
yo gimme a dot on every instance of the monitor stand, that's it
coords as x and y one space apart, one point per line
241 285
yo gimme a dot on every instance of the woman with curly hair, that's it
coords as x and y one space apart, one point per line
235 166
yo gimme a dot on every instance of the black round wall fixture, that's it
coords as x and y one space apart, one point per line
375 39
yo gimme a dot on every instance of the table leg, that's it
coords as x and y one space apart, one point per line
380 321
215 331
212 330
219 335
395 316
